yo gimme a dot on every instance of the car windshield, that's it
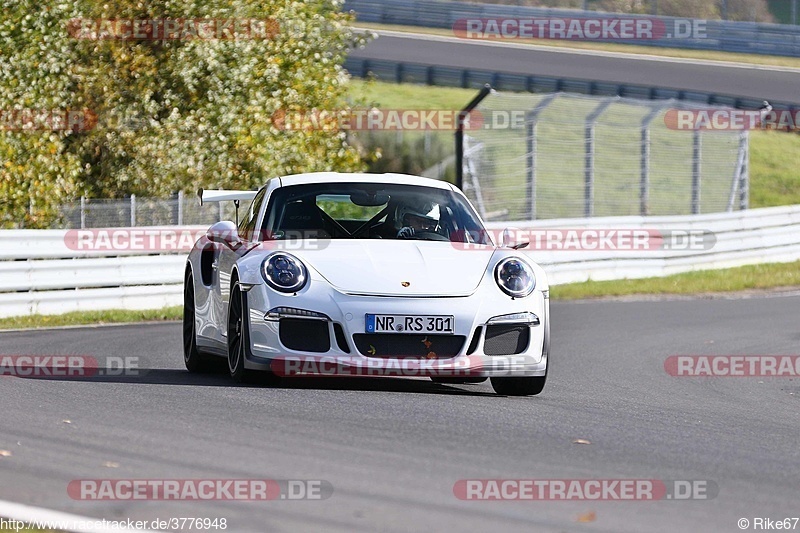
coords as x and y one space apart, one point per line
371 211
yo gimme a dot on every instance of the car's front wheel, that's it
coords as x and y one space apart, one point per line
526 386
237 337
195 361
238 341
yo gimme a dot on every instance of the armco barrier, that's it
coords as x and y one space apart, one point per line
39 273
725 36
403 72
767 235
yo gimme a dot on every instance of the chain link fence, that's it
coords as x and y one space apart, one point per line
579 156
180 210
531 156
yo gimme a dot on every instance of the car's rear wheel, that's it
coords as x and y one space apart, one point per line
458 381
195 361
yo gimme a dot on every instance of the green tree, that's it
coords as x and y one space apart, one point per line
171 114
37 169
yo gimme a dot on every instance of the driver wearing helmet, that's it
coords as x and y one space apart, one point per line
415 222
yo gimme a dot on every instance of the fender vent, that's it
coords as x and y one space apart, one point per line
206 263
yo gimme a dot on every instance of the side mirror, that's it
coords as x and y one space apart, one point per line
508 240
224 232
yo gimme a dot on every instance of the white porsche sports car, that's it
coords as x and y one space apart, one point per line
364 274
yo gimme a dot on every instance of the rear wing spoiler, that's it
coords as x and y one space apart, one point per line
225 196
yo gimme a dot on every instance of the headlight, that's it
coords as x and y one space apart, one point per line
514 277
284 272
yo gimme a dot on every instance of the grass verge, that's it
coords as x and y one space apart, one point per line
774 160
79 318
680 53
754 277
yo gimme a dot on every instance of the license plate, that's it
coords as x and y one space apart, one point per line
444 324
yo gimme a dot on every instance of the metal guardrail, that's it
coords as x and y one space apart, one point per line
725 36
403 72
765 235
41 274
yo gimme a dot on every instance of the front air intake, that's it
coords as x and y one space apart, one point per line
304 335
506 339
408 346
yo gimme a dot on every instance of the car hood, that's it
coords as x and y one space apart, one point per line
383 267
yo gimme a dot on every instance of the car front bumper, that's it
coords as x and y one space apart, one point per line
267 352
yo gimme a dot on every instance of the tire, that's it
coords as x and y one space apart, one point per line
458 381
239 340
527 386
237 336
519 386
195 361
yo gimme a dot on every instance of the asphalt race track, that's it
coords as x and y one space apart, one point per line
393 449
776 84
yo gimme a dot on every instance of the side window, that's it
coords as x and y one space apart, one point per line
247 224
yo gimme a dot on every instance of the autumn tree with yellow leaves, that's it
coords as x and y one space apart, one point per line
87 107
